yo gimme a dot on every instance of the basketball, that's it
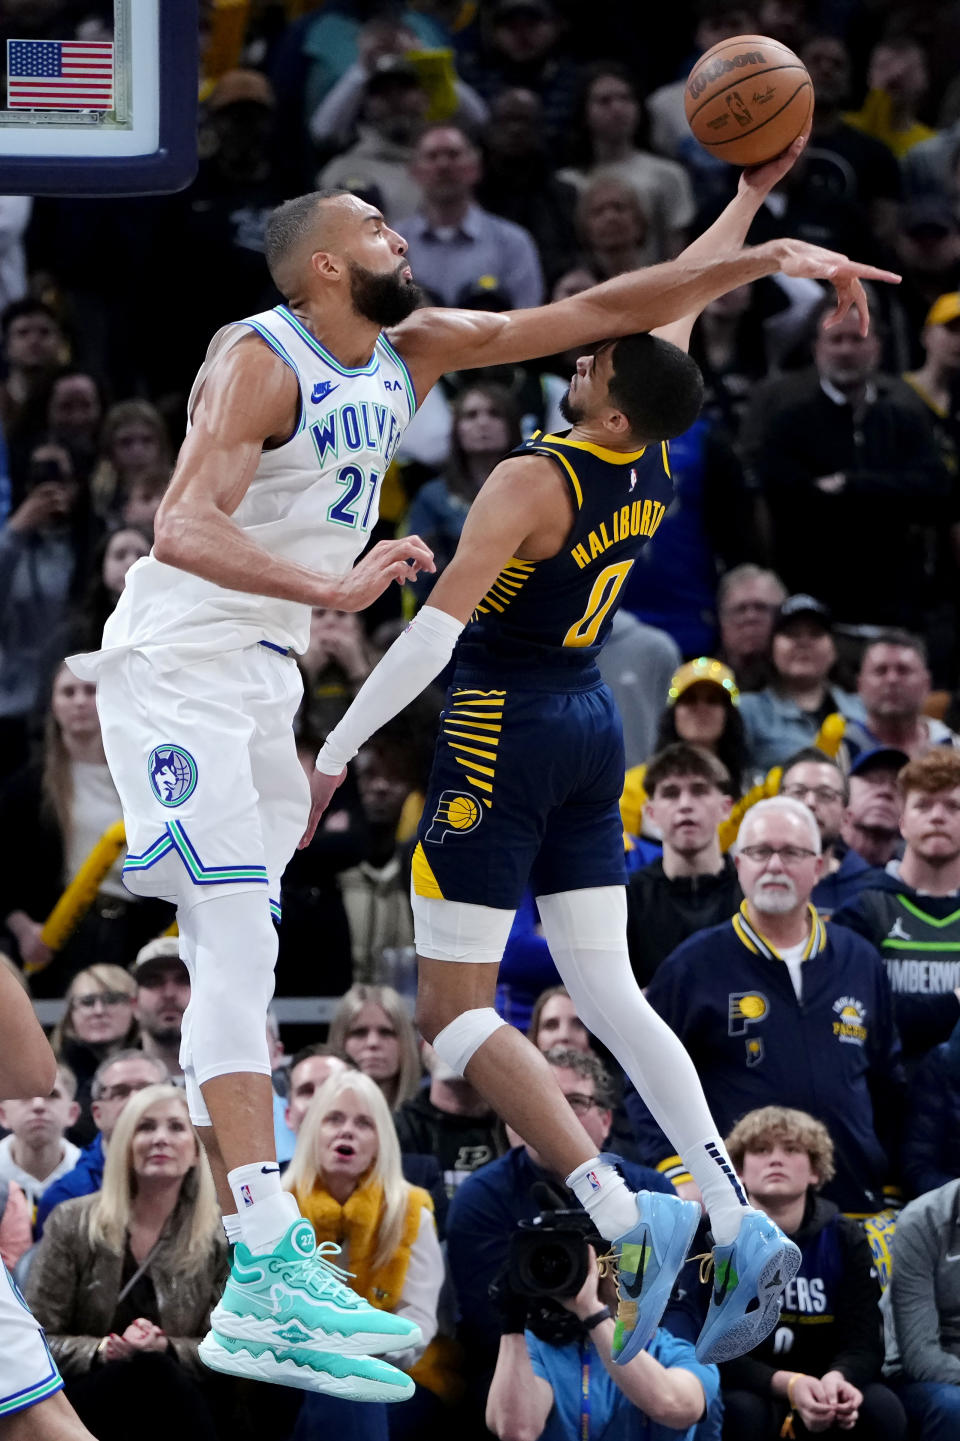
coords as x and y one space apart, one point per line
747 99
462 813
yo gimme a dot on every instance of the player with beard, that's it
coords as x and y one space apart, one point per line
294 418
529 768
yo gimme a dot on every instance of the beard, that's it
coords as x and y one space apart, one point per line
570 410
775 899
384 299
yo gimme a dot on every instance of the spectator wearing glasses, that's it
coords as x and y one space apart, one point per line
115 1081
748 599
98 1021
778 1007
816 780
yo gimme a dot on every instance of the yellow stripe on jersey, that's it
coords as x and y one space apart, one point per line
613 457
508 583
424 881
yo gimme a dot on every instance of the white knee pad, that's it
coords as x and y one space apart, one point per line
461 1039
232 944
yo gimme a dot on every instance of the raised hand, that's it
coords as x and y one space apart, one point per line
760 179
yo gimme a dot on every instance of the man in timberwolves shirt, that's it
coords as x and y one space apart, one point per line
913 915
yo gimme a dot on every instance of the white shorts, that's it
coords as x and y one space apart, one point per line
205 763
28 1373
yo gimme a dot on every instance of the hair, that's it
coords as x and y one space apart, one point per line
500 398
656 385
303 1174
351 1003
318 1048
902 639
288 227
539 1006
105 977
748 571
682 759
937 770
69 1076
129 1053
196 1216
27 306
787 805
731 750
588 1065
104 483
810 755
607 181
779 1123
581 143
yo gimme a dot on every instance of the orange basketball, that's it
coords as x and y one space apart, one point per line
747 99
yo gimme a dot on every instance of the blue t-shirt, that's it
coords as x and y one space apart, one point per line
612 1417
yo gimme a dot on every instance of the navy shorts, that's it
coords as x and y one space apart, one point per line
525 789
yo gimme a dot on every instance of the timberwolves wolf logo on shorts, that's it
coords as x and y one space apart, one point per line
457 813
173 774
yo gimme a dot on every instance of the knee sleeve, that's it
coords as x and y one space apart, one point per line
460 1040
231 943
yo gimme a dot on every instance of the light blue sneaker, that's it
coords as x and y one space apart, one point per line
295 1299
748 1280
353 1378
648 1259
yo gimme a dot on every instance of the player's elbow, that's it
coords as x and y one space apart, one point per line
35 1075
168 536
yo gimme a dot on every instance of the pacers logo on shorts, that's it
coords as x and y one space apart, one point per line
173 774
457 813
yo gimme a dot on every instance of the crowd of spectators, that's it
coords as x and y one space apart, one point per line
786 662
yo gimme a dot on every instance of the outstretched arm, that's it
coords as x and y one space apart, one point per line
432 342
250 397
523 495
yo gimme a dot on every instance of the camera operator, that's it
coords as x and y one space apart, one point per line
561 1383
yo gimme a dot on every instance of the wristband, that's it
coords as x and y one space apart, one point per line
797 1376
602 1315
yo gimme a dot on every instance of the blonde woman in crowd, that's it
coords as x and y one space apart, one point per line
372 1028
98 1020
124 1280
347 1178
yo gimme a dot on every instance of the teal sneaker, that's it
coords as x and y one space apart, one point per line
748 1280
295 1298
648 1259
354 1378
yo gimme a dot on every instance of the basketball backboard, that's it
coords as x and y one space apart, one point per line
113 112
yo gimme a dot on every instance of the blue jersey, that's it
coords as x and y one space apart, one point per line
548 619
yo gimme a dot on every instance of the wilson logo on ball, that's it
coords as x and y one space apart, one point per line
721 66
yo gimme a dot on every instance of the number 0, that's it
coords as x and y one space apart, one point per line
605 590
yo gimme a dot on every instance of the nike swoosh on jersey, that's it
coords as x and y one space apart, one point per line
321 390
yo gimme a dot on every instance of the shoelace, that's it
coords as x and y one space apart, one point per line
332 1279
706 1266
607 1265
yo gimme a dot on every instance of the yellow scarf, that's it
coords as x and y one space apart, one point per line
355 1226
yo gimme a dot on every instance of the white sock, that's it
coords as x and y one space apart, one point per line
586 933
265 1212
231 1228
603 1194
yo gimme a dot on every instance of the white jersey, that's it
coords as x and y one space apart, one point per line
313 500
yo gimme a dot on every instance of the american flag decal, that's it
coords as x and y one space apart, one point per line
60 74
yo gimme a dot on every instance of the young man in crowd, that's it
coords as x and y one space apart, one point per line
163 994
824 1361
37 1152
912 914
693 885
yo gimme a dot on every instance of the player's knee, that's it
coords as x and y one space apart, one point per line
461 1038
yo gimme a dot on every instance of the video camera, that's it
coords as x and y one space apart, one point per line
549 1256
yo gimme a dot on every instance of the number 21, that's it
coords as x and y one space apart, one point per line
342 511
